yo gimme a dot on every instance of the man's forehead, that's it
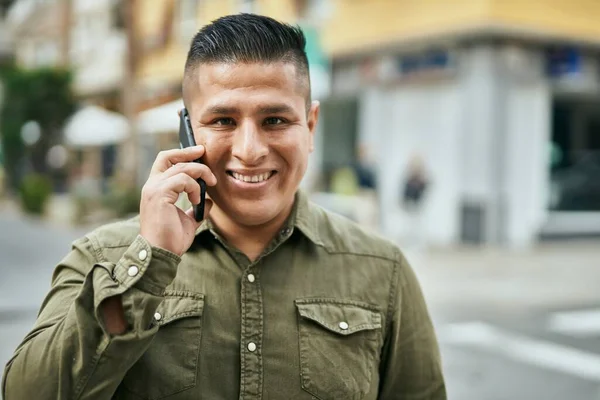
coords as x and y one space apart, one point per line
212 78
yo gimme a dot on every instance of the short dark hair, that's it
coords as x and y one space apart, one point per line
249 38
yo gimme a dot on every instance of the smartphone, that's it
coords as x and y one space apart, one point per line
186 139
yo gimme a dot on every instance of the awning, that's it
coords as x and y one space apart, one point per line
95 126
161 119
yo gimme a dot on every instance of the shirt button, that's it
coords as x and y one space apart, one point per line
251 278
157 316
343 325
143 254
286 231
252 346
133 271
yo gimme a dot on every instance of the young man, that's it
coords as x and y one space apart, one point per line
270 297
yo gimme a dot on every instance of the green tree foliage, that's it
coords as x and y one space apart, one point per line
42 95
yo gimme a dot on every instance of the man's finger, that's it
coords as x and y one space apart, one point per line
193 169
167 158
183 183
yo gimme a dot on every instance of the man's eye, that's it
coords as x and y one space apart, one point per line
223 122
273 121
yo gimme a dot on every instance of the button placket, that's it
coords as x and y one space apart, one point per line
286 232
251 335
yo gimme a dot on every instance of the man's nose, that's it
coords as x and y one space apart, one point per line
248 144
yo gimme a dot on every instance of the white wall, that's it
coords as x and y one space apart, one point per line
479 91
528 130
507 114
423 119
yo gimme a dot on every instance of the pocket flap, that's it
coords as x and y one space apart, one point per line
179 304
342 317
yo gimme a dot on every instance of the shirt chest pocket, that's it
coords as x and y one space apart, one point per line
170 363
339 343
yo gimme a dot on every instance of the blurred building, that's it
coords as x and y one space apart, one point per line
86 36
38 32
501 99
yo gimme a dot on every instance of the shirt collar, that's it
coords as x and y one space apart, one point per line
303 217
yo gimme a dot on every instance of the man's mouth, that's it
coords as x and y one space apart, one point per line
251 178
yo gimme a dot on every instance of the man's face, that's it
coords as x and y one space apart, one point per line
253 121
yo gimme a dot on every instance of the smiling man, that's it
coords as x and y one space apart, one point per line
271 297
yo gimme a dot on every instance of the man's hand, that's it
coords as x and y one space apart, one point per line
162 223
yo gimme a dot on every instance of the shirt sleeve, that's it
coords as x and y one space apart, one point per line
411 367
69 354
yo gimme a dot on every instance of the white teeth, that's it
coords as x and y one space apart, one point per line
252 179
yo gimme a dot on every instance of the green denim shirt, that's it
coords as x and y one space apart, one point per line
328 311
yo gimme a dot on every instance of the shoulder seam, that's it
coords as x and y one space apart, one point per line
386 258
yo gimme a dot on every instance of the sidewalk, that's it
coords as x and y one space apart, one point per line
553 274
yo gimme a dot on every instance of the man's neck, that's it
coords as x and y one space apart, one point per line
249 239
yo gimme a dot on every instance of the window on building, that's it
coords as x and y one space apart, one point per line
4 6
26 52
118 22
82 38
46 53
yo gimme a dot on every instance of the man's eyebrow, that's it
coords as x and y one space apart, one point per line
275 109
266 109
221 110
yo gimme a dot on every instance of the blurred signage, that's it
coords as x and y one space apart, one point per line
423 66
572 71
426 65
563 61
434 60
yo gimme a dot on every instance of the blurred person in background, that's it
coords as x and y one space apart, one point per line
269 296
367 203
414 190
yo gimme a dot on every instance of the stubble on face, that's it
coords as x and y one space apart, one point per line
234 108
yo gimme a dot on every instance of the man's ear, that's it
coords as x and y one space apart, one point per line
313 119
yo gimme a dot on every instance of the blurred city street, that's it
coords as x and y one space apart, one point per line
518 325
512 326
468 134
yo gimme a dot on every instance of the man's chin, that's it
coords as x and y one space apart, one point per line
256 213
248 212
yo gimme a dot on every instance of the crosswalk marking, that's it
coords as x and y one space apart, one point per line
520 348
580 323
